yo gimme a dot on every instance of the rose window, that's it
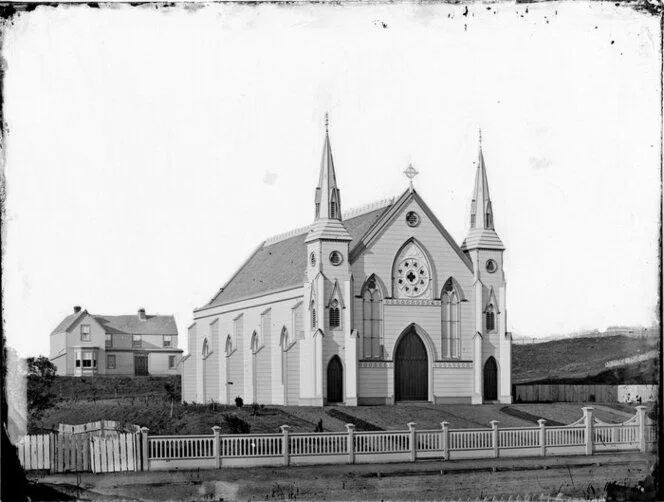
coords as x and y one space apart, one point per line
412 277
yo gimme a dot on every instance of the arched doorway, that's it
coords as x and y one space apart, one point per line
490 380
335 381
411 369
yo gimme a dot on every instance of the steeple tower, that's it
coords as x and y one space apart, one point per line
482 233
327 223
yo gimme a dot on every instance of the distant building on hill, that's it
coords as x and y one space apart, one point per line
85 344
375 307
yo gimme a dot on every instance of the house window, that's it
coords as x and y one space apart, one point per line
88 359
109 340
136 341
490 319
110 362
85 332
334 314
167 340
171 362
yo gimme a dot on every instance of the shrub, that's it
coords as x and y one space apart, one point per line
254 408
239 402
236 425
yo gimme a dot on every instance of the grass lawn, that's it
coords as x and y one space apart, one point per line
199 419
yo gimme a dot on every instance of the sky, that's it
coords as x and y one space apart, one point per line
149 151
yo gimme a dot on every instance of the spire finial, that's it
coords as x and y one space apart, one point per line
327 122
410 173
480 137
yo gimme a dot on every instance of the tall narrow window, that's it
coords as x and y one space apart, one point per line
334 314
450 321
490 318
229 345
313 316
109 340
206 349
372 320
472 221
110 361
85 332
333 209
171 362
255 344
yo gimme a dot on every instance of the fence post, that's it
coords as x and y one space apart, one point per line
445 440
285 443
351 443
494 436
413 443
588 418
144 449
216 450
542 436
641 412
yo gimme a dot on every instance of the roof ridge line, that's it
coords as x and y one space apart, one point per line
367 208
286 235
349 213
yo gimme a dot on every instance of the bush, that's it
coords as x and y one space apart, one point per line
236 425
254 409
239 402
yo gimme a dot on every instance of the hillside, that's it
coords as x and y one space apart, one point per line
574 359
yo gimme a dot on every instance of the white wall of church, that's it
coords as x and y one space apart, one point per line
379 258
243 373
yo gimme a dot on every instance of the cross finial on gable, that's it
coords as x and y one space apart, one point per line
410 173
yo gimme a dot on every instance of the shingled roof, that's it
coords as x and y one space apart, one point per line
280 264
125 324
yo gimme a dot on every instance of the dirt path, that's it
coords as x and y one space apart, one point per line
580 477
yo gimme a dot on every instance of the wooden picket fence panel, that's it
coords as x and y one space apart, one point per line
114 454
34 452
71 452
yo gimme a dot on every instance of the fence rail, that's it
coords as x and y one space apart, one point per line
140 451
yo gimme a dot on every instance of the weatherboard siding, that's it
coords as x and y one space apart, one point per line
293 375
452 382
376 382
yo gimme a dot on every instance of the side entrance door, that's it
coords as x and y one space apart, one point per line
141 365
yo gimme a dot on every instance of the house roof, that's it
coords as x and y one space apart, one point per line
132 325
125 324
278 264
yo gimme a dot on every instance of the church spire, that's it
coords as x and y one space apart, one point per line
481 214
327 224
328 200
482 233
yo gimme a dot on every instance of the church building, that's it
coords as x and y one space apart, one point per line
377 306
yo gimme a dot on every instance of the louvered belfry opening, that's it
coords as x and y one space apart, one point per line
490 380
335 381
411 369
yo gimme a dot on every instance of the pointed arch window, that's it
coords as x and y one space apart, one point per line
228 349
372 308
334 205
283 339
450 321
255 342
490 318
335 320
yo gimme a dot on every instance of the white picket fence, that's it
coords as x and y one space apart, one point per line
586 436
140 451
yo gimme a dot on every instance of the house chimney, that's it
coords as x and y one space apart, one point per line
77 309
141 314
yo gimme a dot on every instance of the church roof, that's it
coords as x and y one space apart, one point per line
279 263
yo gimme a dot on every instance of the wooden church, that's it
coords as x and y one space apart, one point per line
375 307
